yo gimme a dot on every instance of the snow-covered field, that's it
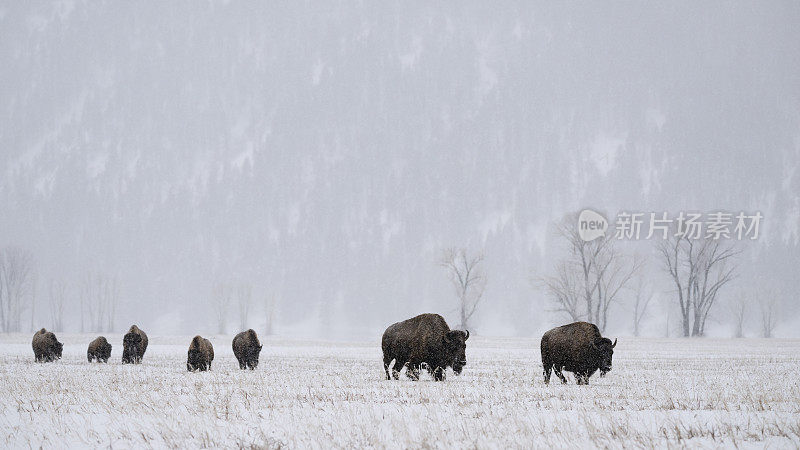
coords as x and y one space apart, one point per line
306 394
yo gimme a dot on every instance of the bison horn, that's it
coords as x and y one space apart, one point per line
615 343
467 335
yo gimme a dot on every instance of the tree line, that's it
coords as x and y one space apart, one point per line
590 279
97 296
585 285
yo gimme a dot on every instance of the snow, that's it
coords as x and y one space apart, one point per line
278 134
315 394
605 150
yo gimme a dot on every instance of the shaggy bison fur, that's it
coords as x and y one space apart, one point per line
99 350
424 339
201 353
578 348
246 348
134 344
46 347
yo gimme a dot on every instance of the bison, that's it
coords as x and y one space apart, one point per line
134 344
46 347
99 350
424 339
578 348
201 353
246 348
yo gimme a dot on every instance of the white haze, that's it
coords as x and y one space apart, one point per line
327 152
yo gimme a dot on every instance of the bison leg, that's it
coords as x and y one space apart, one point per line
439 374
395 371
547 365
560 375
412 372
386 363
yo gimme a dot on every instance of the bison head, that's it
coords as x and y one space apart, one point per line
195 359
105 351
456 345
605 352
252 355
57 348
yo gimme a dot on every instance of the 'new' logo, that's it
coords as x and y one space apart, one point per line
591 225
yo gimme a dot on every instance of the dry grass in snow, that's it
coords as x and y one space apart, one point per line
304 394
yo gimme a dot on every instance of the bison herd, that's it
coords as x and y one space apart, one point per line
422 342
426 341
246 347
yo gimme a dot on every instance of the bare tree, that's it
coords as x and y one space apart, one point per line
565 289
586 255
768 306
88 305
111 293
17 284
588 282
468 279
244 298
220 303
612 272
738 308
643 294
270 304
667 306
99 299
57 296
34 285
699 268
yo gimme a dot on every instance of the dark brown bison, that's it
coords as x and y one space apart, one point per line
46 347
578 348
99 350
201 353
246 348
425 339
134 344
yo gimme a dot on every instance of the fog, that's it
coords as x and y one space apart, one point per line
326 154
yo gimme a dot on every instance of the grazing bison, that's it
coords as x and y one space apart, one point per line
246 348
578 348
425 339
99 349
201 353
134 344
46 347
